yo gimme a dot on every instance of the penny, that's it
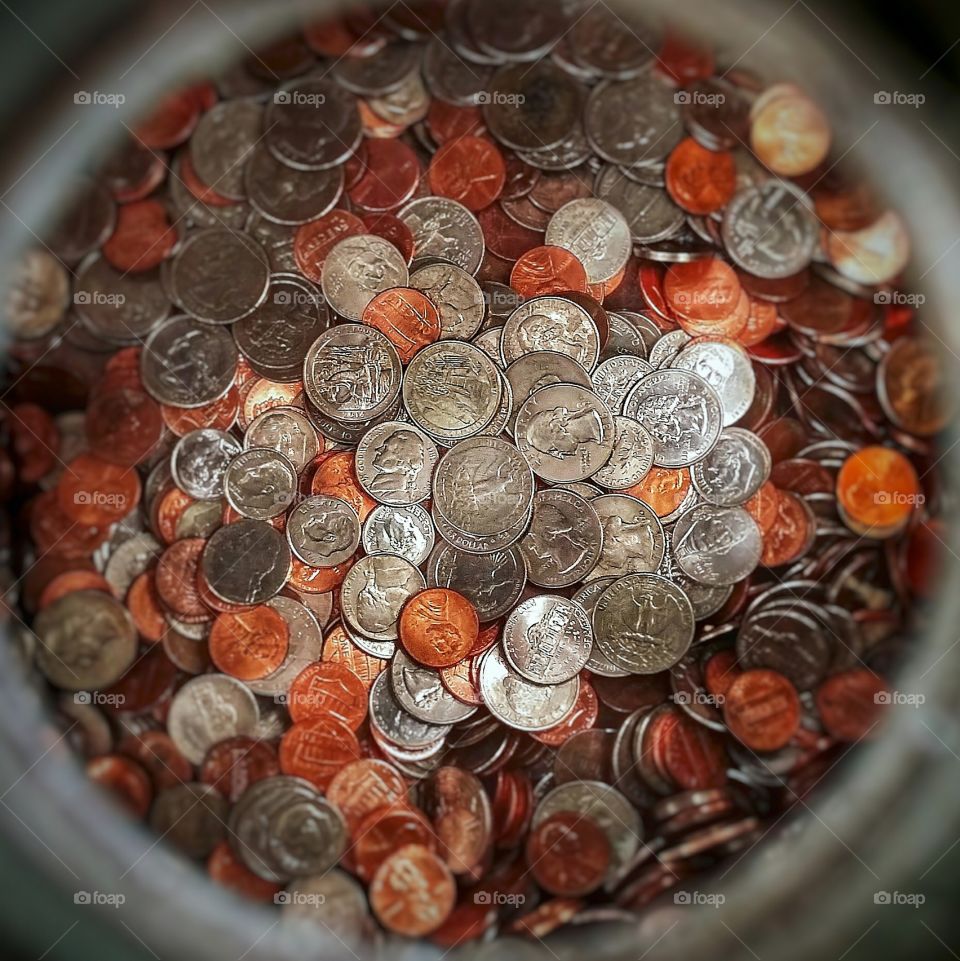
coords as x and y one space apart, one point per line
548 270
142 238
762 710
316 748
328 687
912 387
438 627
878 490
700 181
790 134
407 317
850 703
469 170
569 854
873 255
249 644
231 766
413 891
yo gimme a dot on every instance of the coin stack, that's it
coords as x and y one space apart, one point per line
493 477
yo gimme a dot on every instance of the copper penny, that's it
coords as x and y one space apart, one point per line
384 830
314 240
469 170
220 414
705 295
70 581
249 644
364 786
145 607
338 648
878 490
230 872
720 671
439 627
547 270
700 181
790 533
317 749
328 687
850 703
694 757
390 227
762 710
391 177
568 854
447 122
232 765
126 781
408 318
413 891
177 578
337 477
35 441
142 239
582 717
158 756
123 426
94 491
664 489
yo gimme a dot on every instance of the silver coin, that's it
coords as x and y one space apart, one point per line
726 367
479 543
223 140
444 228
483 486
187 364
352 373
603 44
381 650
633 540
736 468
633 122
406 106
209 709
541 368
614 378
519 703
357 269
246 562
489 342
323 531
334 901
554 324
547 639
287 430
613 813
405 531
632 456
645 324
395 463
305 647
650 214
643 623
276 240
312 124
200 460
129 561
503 416
37 292
587 597
220 275
704 599
717 545
666 348
565 432
389 718
450 77
596 233
190 817
451 390
282 828
456 295
492 582
288 196
378 75
419 691
565 539
682 413
260 483
86 641
770 229
570 152
500 300
374 591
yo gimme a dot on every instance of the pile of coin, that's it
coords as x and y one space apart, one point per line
489 474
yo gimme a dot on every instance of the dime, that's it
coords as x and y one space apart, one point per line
323 531
374 592
633 540
615 377
717 545
286 430
395 463
736 468
548 639
565 539
357 269
260 483
200 460
209 709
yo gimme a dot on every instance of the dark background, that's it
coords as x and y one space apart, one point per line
40 40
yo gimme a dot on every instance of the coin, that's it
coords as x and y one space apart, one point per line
419 690
357 269
551 324
413 891
569 854
596 233
726 367
633 540
323 531
457 296
260 483
445 228
762 709
200 461
406 531
286 430
717 545
374 592
438 627
736 468
548 639
407 317
631 458
565 539
209 709
246 562
492 582
395 463
249 644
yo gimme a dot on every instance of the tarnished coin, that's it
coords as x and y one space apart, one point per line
225 137
633 541
391 720
770 229
209 709
538 28
374 591
520 703
491 582
445 229
632 456
551 324
540 369
452 390
323 531
376 76
260 483
357 269
457 296
565 432
288 196
219 275
548 639
479 543
650 214
420 692
717 545
643 623
200 460
395 463
37 291
405 531
190 817
287 430
564 541
596 232
736 468
352 373
87 640
246 562
682 413
187 364
282 828
334 901
726 367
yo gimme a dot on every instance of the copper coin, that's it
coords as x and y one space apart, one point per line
664 489
790 533
232 765
126 781
469 170
764 506
142 239
314 240
694 757
568 854
413 892
167 511
94 491
384 830
338 648
504 236
762 321
70 581
249 644
439 627
317 749
762 710
177 579
914 386
547 270
158 756
582 717
220 414
123 426
173 119
790 134
391 177
720 671
447 122
364 786
391 228
337 477
408 318
878 490
850 703
328 687
700 181
35 441
228 870
145 607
